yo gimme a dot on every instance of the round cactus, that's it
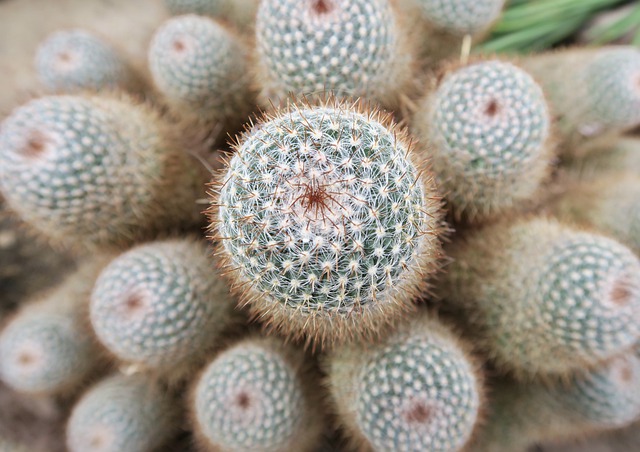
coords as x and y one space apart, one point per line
74 60
46 348
348 47
122 413
96 172
255 397
159 305
546 298
200 68
604 398
589 97
241 13
487 127
416 391
459 17
326 224
610 204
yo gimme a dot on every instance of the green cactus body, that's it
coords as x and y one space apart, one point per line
545 298
75 60
122 414
255 397
159 306
416 391
327 226
47 348
96 172
604 398
201 69
241 13
486 126
609 204
347 47
588 97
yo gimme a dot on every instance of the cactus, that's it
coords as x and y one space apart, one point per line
96 172
589 97
487 127
348 47
604 398
545 298
46 347
610 204
416 391
200 68
75 60
122 414
159 306
256 396
241 13
326 224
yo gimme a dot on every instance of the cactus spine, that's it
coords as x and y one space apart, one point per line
418 390
487 127
96 172
571 303
326 223
256 396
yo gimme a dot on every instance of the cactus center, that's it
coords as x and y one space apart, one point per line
418 412
321 6
134 306
243 400
178 46
26 359
35 144
623 371
492 108
65 61
621 294
99 439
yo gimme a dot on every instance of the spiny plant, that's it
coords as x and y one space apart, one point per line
122 413
96 172
545 298
201 69
327 226
46 347
417 390
348 47
257 396
160 306
588 97
486 125
75 60
610 204
241 13
604 398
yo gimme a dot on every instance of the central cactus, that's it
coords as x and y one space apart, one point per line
326 223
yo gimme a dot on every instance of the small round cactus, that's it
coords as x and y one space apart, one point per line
122 413
241 13
201 69
487 127
610 204
348 47
604 398
545 298
96 172
46 348
159 306
416 391
589 97
74 60
255 397
327 226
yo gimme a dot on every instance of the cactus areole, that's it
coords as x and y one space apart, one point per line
327 226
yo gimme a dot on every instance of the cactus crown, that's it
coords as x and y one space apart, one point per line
94 171
196 63
76 59
416 391
121 413
461 16
158 304
488 124
323 213
349 47
251 398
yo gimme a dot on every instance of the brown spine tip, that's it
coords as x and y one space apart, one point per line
321 7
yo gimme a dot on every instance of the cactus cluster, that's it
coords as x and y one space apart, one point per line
414 247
